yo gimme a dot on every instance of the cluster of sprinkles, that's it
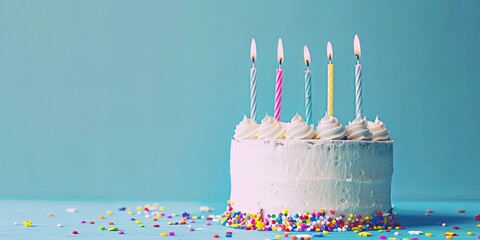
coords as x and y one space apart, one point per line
321 221
150 212
285 225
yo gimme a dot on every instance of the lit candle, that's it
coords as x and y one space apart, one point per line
358 77
278 81
308 86
253 82
330 79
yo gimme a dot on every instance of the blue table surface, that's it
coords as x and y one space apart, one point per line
411 215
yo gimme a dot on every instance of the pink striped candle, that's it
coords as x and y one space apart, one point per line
278 81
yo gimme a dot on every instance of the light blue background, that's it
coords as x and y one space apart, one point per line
139 99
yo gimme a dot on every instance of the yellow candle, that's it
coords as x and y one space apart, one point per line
330 79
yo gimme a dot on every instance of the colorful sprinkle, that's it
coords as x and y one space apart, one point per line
171 233
364 234
50 214
121 232
415 232
74 232
460 210
101 227
71 210
156 225
27 223
216 236
428 234
101 217
109 212
113 229
163 234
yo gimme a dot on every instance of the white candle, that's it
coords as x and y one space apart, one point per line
358 77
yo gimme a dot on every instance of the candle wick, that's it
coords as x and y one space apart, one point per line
358 58
329 60
253 60
308 64
280 62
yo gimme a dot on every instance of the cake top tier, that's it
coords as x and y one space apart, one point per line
328 128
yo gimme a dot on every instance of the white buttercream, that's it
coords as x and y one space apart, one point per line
270 129
358 130
307 175
378 130
330 129
298 129
246 129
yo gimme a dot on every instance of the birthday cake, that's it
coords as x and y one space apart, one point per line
280 168
295 177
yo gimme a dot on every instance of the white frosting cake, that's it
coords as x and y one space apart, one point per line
276 166
308 175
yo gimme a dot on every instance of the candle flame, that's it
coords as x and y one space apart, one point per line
253 50
356 46
280 51
329 51
306 55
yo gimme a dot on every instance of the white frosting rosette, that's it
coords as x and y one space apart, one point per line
299 129
246 129
358 130
271 129
330 129
378 130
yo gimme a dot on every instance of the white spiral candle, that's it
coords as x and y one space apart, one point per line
358 77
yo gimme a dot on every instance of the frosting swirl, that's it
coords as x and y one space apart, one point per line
246 129
358 130
298 129
270 128
330 129
378 130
